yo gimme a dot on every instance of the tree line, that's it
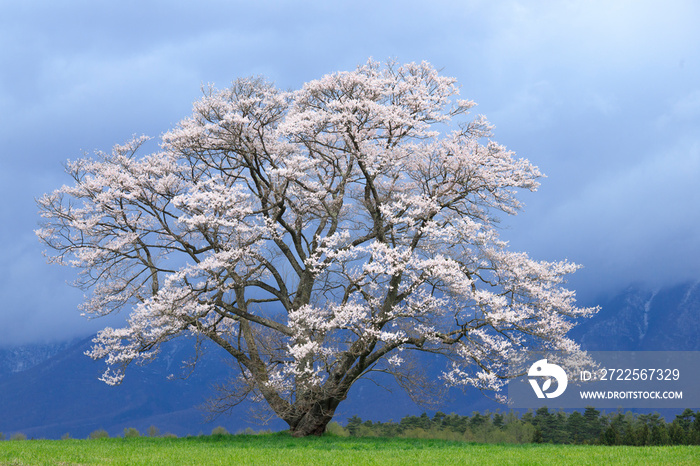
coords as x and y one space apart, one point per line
153 431
540 426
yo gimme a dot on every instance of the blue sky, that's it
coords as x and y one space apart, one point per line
604 96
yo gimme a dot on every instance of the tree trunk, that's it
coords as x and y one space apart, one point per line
314 420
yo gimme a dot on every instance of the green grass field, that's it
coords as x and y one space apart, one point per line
282 449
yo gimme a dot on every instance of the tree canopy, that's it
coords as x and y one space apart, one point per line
316 235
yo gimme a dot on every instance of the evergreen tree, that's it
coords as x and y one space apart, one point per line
659 434
643 435
353 425
620 425
629 437
438 418
455 423
685 419
575 426
651 419
695 429
611 436
545 422
498 420
537 437
593 425
681 429
560 433
478 421
425 422
676 434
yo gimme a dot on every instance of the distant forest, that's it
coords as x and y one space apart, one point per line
541 426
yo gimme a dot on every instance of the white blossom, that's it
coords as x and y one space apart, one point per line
314 235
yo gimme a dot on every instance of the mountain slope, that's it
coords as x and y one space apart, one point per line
24 357
641 319
63 394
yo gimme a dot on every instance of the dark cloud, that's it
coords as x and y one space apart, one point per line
604 97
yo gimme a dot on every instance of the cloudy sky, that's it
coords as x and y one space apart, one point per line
604 96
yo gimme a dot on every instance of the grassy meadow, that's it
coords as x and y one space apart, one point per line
280 448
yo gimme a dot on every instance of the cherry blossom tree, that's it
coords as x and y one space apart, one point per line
317 236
